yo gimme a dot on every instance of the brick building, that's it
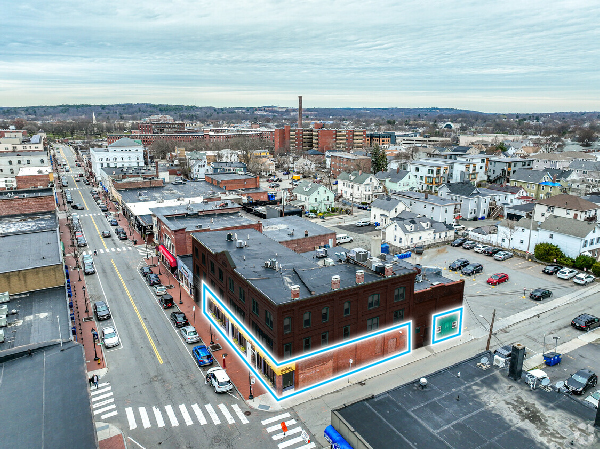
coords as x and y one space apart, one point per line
34 177
15 202
292 305
298 234
348 162
233 181
318 138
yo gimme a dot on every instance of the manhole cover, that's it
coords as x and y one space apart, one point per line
216 439
247 413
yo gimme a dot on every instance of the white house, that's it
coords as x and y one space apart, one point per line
429 175
567 206
409 229
313 196
359 187
125 152
17 143
397 180
481 164
431 206
473 203
384 209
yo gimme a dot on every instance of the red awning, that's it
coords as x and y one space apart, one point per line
165 252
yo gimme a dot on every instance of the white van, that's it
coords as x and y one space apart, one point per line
343 238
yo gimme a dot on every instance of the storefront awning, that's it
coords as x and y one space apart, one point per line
165 252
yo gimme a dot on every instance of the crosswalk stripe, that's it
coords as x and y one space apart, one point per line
104 384
130 418
290 442
171 415
240 415
101 251
112 249
102 396
278 426
264 422
213 415
186 416
108 415
281 436
101 403
105 409
95 392
199 414
119 249
160 422
144 416
307 446
226 413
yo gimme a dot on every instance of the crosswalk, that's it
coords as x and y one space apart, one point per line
103 403
294 438
109 250
182 415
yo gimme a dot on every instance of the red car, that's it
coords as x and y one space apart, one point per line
497 278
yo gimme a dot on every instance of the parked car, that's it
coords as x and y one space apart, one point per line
103 208
101 310
286 173
540 294
567 273
88 268
77 206
362 223
552 269
110 337
87 258
189 334
122 236
145 271
503 255
81 242
166 301
179 319
594 398
119 230
77 180
585 322
219 380
581 381
584 278
472 269
343 238
469 244
152 279
274 185
491 251
160 290
69 199
458 242
113 222
458 264
497 278
310 215
479 248
86 182
202 355
419 249
106 234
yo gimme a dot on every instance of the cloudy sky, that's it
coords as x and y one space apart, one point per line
507 56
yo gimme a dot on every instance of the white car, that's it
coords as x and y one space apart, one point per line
584 278
88 258
362 223
160 290
479 248
567 273
594 398
218 378
189 334
110 337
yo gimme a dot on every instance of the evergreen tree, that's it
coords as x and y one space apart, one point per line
378 159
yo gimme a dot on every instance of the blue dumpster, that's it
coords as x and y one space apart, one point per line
385 248
552 358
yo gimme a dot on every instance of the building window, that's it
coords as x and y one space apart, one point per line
306 319
398 315
268 319
242 295
372 324
346 332
231 284
399 294
551 236
287 350
254 306
324 338
287 325
347 308
418 330
212 267
325 314
306 344
373 301
220 275
203 259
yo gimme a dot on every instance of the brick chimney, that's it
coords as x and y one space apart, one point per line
295 291
360 276
389 270
426 195
335 282
397 169
359 172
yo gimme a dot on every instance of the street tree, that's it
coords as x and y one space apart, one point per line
378 159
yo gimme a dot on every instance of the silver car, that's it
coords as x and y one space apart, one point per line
110 337
218 378
189 334
88 268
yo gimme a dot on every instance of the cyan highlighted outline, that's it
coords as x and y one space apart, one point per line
205 311
441 315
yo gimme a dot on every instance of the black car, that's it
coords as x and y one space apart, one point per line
104 208
585 322
490 251
153 279
581 380
101 310
166 302
113 222
469 244
145 271
418 249
458 264
472 269
552 269
179 319
106 234
458 242
540 293
77 206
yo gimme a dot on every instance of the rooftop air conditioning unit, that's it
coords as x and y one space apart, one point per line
239 244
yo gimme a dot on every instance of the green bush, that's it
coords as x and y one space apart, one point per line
584 262
596 269
547 252
565 261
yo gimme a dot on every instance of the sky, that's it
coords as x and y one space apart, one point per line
508 56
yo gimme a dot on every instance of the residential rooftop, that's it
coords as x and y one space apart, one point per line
425 197
569 202
30 250
292 227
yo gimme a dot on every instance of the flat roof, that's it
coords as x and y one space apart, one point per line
17 224
208 221
171 192
31 171
25 193
194 208
294 269
30 250
280 229
229 176
418 196
474 409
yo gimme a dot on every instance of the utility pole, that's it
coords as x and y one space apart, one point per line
487 346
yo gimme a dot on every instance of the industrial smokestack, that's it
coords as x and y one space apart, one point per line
300 111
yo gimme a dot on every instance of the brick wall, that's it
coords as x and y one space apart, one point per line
32 181
258 196
306 244
30 205
233 184
124 185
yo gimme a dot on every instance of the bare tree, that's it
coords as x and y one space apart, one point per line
161 147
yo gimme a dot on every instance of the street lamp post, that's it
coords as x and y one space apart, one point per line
211 339
250 383
94 337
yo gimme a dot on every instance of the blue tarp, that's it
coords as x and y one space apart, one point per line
337 441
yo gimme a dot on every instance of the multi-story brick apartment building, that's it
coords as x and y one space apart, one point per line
321 139
294 305
348 162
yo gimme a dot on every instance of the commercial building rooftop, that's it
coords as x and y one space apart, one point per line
29 250
208 221
292 227
171 192
18 224
229 176
25 193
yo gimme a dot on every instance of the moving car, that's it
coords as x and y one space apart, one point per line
202 355
584 278
594 398
458 242
419 249
166 301
77 206
469 244
585 322
160 290
88 268
122 236
110 337
567 273
472 269
552 269
101 310
179 319
497 278
458 264
106 234
540 293
503 255
189 334
362 223
219 380
479 248
581 380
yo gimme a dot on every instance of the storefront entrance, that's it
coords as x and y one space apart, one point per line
287 380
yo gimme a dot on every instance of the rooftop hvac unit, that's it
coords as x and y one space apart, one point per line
3 309
198 226
362 255
239 244
378 268
3 322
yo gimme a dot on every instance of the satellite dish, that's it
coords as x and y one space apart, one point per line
545 382
559 385
484 361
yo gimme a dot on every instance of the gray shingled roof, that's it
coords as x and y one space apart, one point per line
354 177
307 188
461 188
536 176
392 175
406 218
387 203
125 142
568 226
585 165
